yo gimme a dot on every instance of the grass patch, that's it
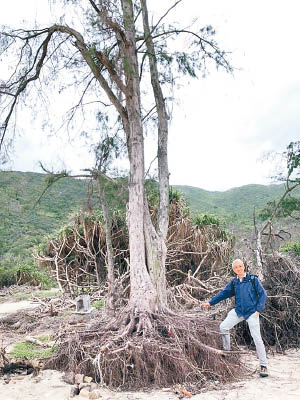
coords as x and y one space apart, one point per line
98 304
39 293
31 351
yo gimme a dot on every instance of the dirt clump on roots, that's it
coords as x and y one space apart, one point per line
174 348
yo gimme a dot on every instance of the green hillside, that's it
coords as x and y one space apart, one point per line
23 223
238 203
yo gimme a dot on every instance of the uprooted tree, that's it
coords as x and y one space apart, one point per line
110 57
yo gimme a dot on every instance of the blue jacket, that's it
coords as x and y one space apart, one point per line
247 299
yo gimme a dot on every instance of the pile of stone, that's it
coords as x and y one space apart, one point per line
82 386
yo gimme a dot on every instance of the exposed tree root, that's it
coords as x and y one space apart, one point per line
156 349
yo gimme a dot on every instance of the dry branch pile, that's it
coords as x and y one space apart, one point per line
77 258
281 325
200 252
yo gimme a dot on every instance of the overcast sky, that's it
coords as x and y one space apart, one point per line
221 125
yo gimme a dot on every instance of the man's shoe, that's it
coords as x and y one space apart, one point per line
263 372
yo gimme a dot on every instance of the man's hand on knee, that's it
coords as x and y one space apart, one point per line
206 305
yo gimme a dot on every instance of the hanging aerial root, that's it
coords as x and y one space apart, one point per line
177 348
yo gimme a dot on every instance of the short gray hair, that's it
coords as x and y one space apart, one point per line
237 260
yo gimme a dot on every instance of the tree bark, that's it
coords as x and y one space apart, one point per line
155 242
162 153
110 298
143 296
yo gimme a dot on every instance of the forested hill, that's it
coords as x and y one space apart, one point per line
22 221
237 202
22 224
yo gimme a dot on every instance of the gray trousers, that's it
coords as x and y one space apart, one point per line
253 323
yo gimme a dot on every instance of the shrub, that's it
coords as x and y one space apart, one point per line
98 304
7 277
29 273
203 220
292 247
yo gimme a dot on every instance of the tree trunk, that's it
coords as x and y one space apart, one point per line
156 253
162 153
143 296
155 243
110 298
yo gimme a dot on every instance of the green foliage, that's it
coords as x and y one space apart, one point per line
266 212
293 160
31 351
98 304
292 248
216 223
31 274
7 277
203 220
289 207
174 194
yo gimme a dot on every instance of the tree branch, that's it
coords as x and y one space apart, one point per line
156 25
24 84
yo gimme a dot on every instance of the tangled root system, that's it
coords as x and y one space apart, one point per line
169 349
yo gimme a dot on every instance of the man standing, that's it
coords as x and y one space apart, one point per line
250 300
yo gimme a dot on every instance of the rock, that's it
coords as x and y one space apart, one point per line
69 377
84 393
85 385
94 386
88 379
95 394
16 325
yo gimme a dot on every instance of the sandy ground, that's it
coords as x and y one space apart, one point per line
6 308
283 382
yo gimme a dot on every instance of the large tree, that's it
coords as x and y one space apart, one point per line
108 55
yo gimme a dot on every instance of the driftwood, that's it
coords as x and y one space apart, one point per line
38 342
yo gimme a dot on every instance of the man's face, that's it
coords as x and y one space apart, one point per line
239 268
